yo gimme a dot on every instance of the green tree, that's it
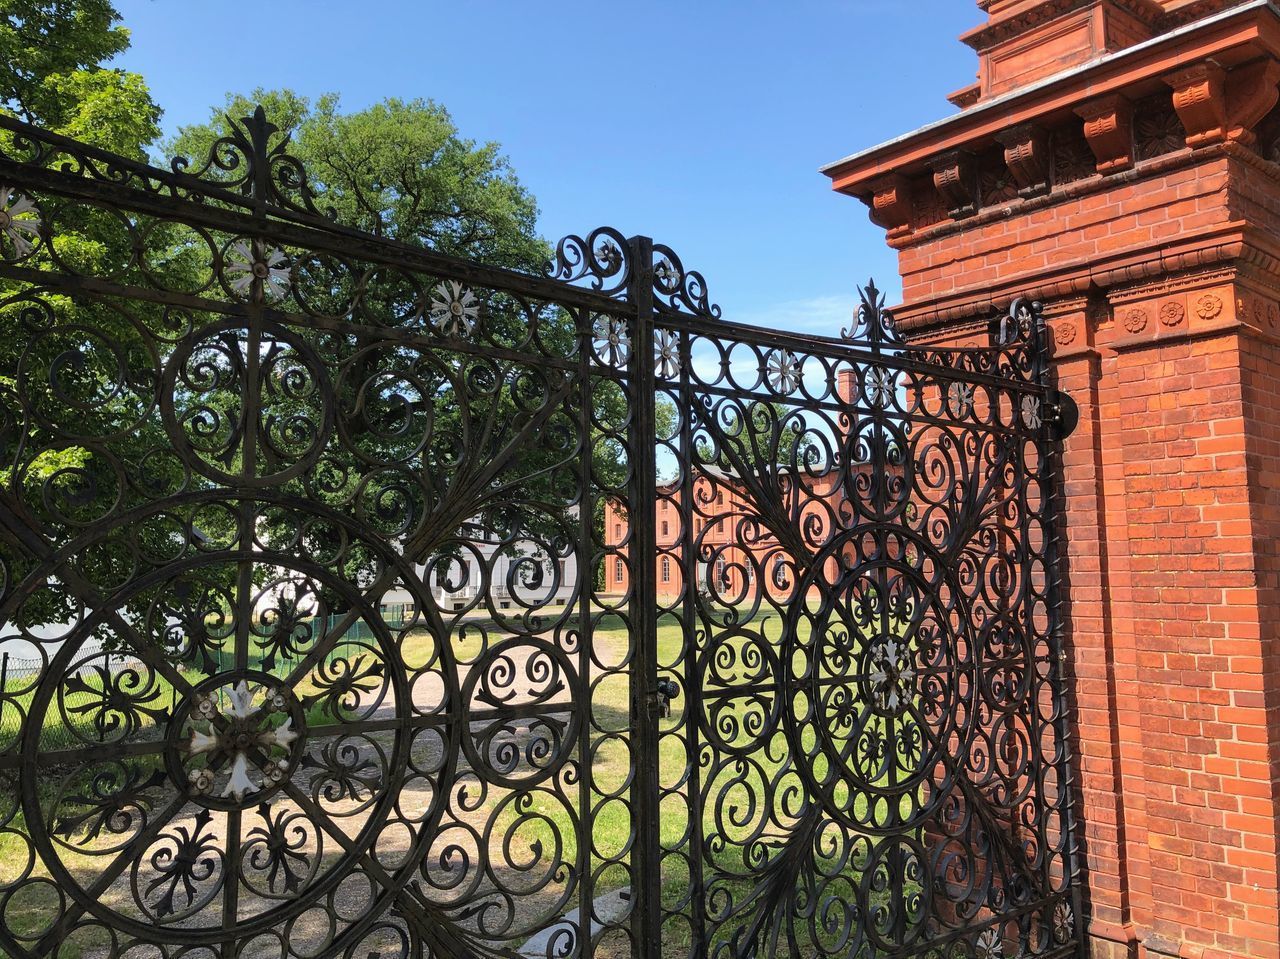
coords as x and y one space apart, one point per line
400 170
54 73
397 169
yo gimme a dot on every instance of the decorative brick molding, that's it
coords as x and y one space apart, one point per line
1026 19
1216 106
891 206
1024 41
1108 127
1252 92
955 176
1200 97
1126 108
1026 153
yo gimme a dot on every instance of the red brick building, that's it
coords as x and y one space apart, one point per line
1120 161
727 562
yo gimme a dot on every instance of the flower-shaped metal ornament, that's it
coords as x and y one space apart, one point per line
244 268
455 310
609 255
1031 412
989 945
880 386
19 221
666 351
667 275
960 399
1064 922
782 372
612 341
892 675
240 736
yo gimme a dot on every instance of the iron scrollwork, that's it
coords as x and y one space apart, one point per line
326 630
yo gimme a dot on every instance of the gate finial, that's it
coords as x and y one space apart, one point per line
245 161
872 323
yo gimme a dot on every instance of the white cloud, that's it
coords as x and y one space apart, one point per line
823 315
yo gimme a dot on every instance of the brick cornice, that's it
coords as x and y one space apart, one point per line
1081 188
999 29
1195 11
1231 245
1236 36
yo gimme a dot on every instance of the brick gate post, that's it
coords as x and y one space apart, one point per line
1119 160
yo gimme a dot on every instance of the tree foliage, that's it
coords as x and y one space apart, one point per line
398 169
53 72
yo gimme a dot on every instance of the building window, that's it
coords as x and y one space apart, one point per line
617 532
780 573
617 571
665 527
666 569
721 573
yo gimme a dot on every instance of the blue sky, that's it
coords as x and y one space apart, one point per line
699 122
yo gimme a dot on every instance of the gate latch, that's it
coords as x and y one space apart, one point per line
667 691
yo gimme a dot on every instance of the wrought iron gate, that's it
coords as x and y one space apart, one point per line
362 601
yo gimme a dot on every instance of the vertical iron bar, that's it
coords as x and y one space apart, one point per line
689 618
642 491
586 593
248 470
4 683
1052 434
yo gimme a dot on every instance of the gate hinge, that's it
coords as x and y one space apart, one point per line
1061 410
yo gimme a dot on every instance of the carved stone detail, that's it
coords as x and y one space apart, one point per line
1252 92
1135 320
891 206
928 206
1172 313
995 183
1157 128
1216 106
1065 333
1208 306
955 175
1026 154
1200 97
1073 160
1108 126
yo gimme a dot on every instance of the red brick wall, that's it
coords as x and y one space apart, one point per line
1164 297
1095 229
1146 216
1191 663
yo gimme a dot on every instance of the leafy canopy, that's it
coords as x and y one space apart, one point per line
398 169
53 74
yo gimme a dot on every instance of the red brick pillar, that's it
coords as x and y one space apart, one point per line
1119 162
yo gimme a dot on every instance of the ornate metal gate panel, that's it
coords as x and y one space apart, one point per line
357 600
871 759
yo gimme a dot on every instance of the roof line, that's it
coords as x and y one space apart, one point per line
1004 98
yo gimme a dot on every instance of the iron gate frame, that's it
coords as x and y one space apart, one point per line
251 187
